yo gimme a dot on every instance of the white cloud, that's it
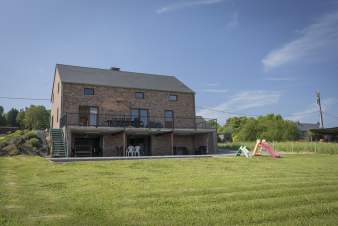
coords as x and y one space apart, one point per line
311 113
315 37
239 102
233 22
279 79
215 90
213 84
186 4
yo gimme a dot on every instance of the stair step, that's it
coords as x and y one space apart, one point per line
58 144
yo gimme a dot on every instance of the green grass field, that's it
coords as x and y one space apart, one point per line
293 190
290 146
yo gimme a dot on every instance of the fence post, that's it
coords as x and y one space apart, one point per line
292 147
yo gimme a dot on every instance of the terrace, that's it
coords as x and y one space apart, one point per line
132 121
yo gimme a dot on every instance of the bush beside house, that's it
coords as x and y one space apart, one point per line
24 142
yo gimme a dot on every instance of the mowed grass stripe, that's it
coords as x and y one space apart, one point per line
174 192
212 215
237 203
236 189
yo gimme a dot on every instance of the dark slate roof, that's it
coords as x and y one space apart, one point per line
326 131
124 79
307 126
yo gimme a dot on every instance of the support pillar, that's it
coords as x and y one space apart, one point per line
172 143
124 143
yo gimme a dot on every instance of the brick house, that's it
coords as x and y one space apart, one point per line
100 112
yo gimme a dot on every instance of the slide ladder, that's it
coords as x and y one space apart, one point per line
243 150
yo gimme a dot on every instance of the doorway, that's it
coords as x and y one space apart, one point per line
88 116
87 146
140 140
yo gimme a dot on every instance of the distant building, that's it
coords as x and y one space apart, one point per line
328 134
304 128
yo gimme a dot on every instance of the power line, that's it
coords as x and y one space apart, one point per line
253 115
24 98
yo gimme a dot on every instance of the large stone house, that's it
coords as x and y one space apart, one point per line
100 112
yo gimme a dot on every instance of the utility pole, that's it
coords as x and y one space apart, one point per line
320 108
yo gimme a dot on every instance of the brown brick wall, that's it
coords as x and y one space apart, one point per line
110 142
112 100
56 103
185 141
161 145
204 139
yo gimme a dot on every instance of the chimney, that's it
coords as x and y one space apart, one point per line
115 68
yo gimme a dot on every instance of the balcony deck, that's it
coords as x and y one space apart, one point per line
152 125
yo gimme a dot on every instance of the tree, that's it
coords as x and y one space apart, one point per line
270 127
36 117
11 117
2 117
20 119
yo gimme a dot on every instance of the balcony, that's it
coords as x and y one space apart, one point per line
128 121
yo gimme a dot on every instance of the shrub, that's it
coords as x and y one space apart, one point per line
11 149
30 134
16 140
34 142
27 148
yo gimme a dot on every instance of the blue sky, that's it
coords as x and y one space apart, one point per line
242 57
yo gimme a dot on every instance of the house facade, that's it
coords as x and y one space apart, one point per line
103 111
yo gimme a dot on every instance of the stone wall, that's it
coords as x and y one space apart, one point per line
112 100
56 98
110 144
186 141
161 144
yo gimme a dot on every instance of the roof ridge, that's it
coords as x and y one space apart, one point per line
104 69
79 74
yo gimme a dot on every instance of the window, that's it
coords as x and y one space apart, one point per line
139 117
168 119
168 115
58 87
172 97
88 91
139 95
88 116
57 115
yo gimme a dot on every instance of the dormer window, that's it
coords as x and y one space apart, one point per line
88 91
172 97
139 95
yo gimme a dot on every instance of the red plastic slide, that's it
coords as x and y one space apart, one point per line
269 149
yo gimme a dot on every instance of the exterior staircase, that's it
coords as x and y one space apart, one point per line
58 143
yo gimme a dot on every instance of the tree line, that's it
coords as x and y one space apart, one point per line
270 127
32 117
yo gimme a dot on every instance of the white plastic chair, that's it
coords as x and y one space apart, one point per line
137 150
130 151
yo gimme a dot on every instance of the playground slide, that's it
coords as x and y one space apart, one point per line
269 149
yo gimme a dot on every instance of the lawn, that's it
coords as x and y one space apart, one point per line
294 190
290 146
